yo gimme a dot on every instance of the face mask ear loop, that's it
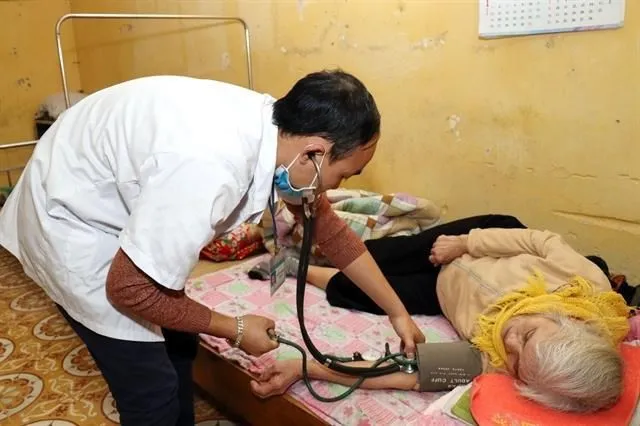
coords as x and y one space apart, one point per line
311 187
292 162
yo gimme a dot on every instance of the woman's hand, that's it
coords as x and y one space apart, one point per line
448 248
409 332
276 379
256 339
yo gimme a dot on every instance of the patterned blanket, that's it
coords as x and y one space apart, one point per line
333 330
370 215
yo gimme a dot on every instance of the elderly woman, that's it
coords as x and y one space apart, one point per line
525 302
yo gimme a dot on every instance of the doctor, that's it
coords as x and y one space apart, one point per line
125 189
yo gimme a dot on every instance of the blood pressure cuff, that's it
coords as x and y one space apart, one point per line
445 365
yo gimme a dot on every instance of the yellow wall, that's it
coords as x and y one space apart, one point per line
542 127
29 69
111 51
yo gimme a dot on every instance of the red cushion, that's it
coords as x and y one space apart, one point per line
237 244
495 401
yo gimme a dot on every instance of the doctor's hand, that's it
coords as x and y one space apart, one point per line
409 332
256 339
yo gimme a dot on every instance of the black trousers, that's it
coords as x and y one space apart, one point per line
151 382
405 263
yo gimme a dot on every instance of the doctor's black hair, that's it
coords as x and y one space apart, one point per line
331 104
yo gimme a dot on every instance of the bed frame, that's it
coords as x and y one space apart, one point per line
228 384
225 382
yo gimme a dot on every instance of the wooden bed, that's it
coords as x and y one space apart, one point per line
228 384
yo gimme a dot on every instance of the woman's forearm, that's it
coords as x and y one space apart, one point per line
365 273
399 380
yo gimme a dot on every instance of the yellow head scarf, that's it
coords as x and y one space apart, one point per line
607 311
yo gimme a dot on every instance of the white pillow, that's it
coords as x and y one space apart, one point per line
54 105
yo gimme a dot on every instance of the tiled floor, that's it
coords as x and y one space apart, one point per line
47 377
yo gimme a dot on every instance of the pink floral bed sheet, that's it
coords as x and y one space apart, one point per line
333 330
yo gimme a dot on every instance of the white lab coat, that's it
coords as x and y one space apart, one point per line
157 166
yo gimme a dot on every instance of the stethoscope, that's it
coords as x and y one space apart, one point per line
398 360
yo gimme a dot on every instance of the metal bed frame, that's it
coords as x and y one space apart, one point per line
227 383
147 16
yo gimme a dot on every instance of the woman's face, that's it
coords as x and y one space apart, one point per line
521 335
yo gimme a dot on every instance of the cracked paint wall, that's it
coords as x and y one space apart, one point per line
542 127
29 70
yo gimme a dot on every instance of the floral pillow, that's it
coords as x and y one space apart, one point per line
239 243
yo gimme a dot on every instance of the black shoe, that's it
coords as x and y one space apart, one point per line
260 272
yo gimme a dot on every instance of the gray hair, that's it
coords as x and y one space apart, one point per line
576 369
